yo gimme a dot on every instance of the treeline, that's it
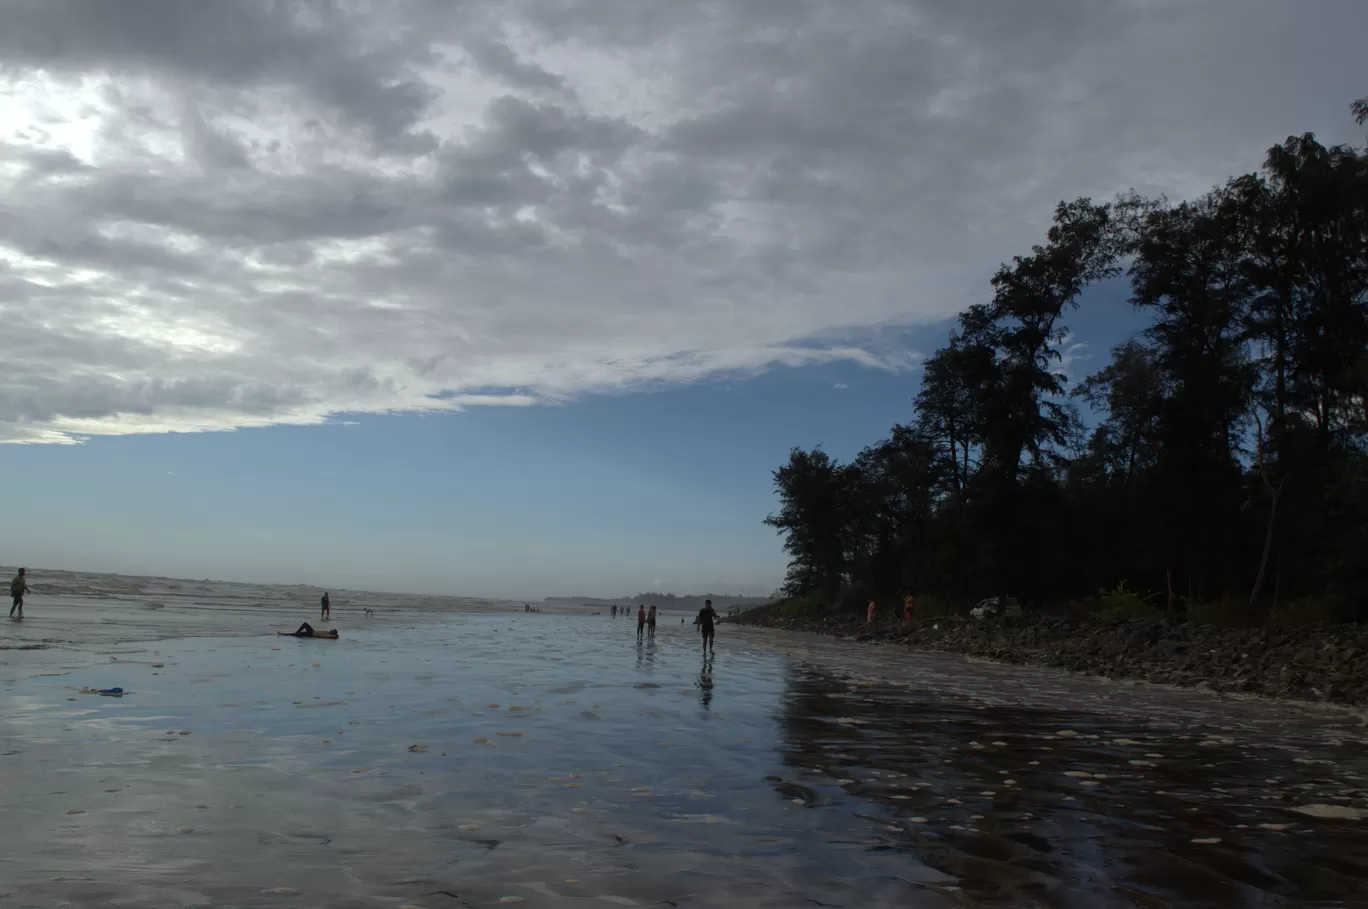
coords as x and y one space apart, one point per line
1222 458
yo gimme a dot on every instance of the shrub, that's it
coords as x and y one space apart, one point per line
1121 603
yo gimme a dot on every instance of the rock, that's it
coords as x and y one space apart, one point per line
1324 664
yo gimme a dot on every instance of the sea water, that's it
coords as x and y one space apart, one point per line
449 759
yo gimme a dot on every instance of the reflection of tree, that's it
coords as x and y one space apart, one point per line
1045 841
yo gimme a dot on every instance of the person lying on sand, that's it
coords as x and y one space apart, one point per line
306 630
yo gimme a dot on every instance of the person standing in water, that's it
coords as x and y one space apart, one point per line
19 587
641 621
651 621
326 611
706 617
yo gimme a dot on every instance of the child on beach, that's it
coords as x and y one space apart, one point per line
651 621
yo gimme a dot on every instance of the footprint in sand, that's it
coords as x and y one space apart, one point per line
417 749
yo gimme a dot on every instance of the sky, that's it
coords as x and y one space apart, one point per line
529 298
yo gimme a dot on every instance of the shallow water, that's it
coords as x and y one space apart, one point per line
543 760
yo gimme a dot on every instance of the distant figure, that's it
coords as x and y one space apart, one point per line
706 617
613 611
909 604
305 630
869 614
641 620
326 611
19 587
651 621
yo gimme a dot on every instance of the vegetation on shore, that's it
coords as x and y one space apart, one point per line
1220 470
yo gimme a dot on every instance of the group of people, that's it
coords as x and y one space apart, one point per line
909 607
646 617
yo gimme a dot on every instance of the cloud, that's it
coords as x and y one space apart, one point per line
236 213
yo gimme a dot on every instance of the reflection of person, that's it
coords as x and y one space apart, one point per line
705 684
326 612
19 587
706 617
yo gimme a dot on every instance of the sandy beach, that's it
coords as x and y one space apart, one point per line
465 754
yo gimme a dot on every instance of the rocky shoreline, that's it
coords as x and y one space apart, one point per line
1327 663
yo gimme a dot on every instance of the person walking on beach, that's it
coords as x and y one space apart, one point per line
706 617
651 621
641 621
612 611
326 611
909 604
19 587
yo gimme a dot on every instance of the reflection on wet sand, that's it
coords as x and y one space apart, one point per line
482 760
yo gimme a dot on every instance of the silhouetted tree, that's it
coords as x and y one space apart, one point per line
1227 455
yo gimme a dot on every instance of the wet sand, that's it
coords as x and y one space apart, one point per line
470 760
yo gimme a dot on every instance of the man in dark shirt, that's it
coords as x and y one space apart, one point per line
326 611
706 617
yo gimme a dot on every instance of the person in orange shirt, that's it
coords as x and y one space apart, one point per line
908 604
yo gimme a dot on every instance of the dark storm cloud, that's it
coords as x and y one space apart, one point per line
237 212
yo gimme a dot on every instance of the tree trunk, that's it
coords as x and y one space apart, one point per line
1268 542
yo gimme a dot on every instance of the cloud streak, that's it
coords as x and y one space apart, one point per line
238 213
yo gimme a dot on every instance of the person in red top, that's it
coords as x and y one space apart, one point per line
908 604
641 620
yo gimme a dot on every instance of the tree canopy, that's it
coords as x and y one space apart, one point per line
1221 454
